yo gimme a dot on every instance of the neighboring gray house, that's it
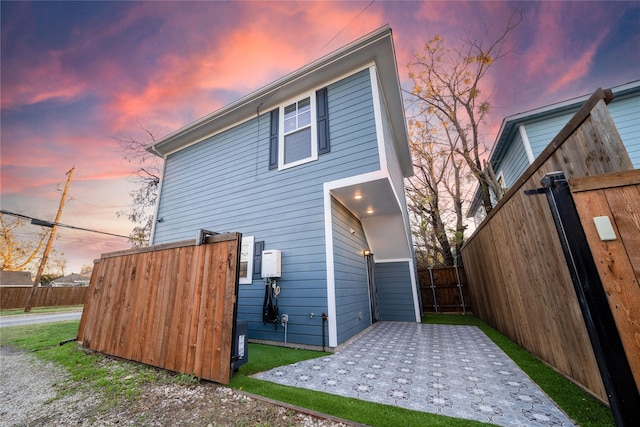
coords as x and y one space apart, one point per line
72 280
524 136
312 165
16 278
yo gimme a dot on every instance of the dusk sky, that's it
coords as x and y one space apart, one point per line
76 74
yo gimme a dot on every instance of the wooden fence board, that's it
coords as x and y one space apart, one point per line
16 296
617 261
172 307
518 277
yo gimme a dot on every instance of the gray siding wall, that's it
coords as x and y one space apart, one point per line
626 115
223 184
352 290
393 284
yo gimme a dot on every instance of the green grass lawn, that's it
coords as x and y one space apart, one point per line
124 380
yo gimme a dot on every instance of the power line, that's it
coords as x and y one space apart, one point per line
345 27
43 223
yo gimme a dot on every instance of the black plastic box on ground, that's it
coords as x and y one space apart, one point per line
240 353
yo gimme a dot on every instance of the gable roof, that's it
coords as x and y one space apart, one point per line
15 278
374 47
510 126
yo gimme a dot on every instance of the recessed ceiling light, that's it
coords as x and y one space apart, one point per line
369 211
358 196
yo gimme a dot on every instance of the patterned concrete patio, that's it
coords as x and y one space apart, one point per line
442 369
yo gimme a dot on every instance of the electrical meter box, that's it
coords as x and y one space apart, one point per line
271 263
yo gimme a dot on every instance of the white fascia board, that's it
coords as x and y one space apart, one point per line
526 143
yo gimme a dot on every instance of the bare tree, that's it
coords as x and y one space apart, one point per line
147 178
431 165
22 246
447 86
19 254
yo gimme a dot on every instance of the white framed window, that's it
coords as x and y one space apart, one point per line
297 139
246 261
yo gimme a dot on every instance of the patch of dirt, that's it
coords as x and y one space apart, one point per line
31 390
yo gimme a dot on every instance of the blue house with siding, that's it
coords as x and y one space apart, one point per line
312 165
524 136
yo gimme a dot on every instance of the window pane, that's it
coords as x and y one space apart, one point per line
290 111
304 105
289 124
304 119
297 146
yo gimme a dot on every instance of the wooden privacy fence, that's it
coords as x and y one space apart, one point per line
444 290
16 296
517 273
172 306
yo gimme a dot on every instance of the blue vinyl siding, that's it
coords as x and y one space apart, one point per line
515 162
393 283
352 290
541 133
626 115
223 183
624 111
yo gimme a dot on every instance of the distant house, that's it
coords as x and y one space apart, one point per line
16 278
312 165
72 280
524 136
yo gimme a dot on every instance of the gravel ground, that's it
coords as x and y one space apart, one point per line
32 394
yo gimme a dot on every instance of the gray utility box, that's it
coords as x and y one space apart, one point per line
240 349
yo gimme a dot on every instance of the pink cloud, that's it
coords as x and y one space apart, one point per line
245 59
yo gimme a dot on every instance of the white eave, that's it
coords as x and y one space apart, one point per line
376 47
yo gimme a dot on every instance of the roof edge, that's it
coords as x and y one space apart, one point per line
196 130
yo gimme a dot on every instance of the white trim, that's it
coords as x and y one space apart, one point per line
387 260
328 241
356 179
331 278
248 240
526 143
414 291
152 234
377 113
313 125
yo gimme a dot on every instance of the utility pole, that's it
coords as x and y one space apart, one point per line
47 249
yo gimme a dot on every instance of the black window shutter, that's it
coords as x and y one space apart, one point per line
323 121
258 247
273 140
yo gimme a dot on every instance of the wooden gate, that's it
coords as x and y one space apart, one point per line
172 306
444 290
617 197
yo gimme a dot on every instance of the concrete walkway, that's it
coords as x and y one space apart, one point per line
442 369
